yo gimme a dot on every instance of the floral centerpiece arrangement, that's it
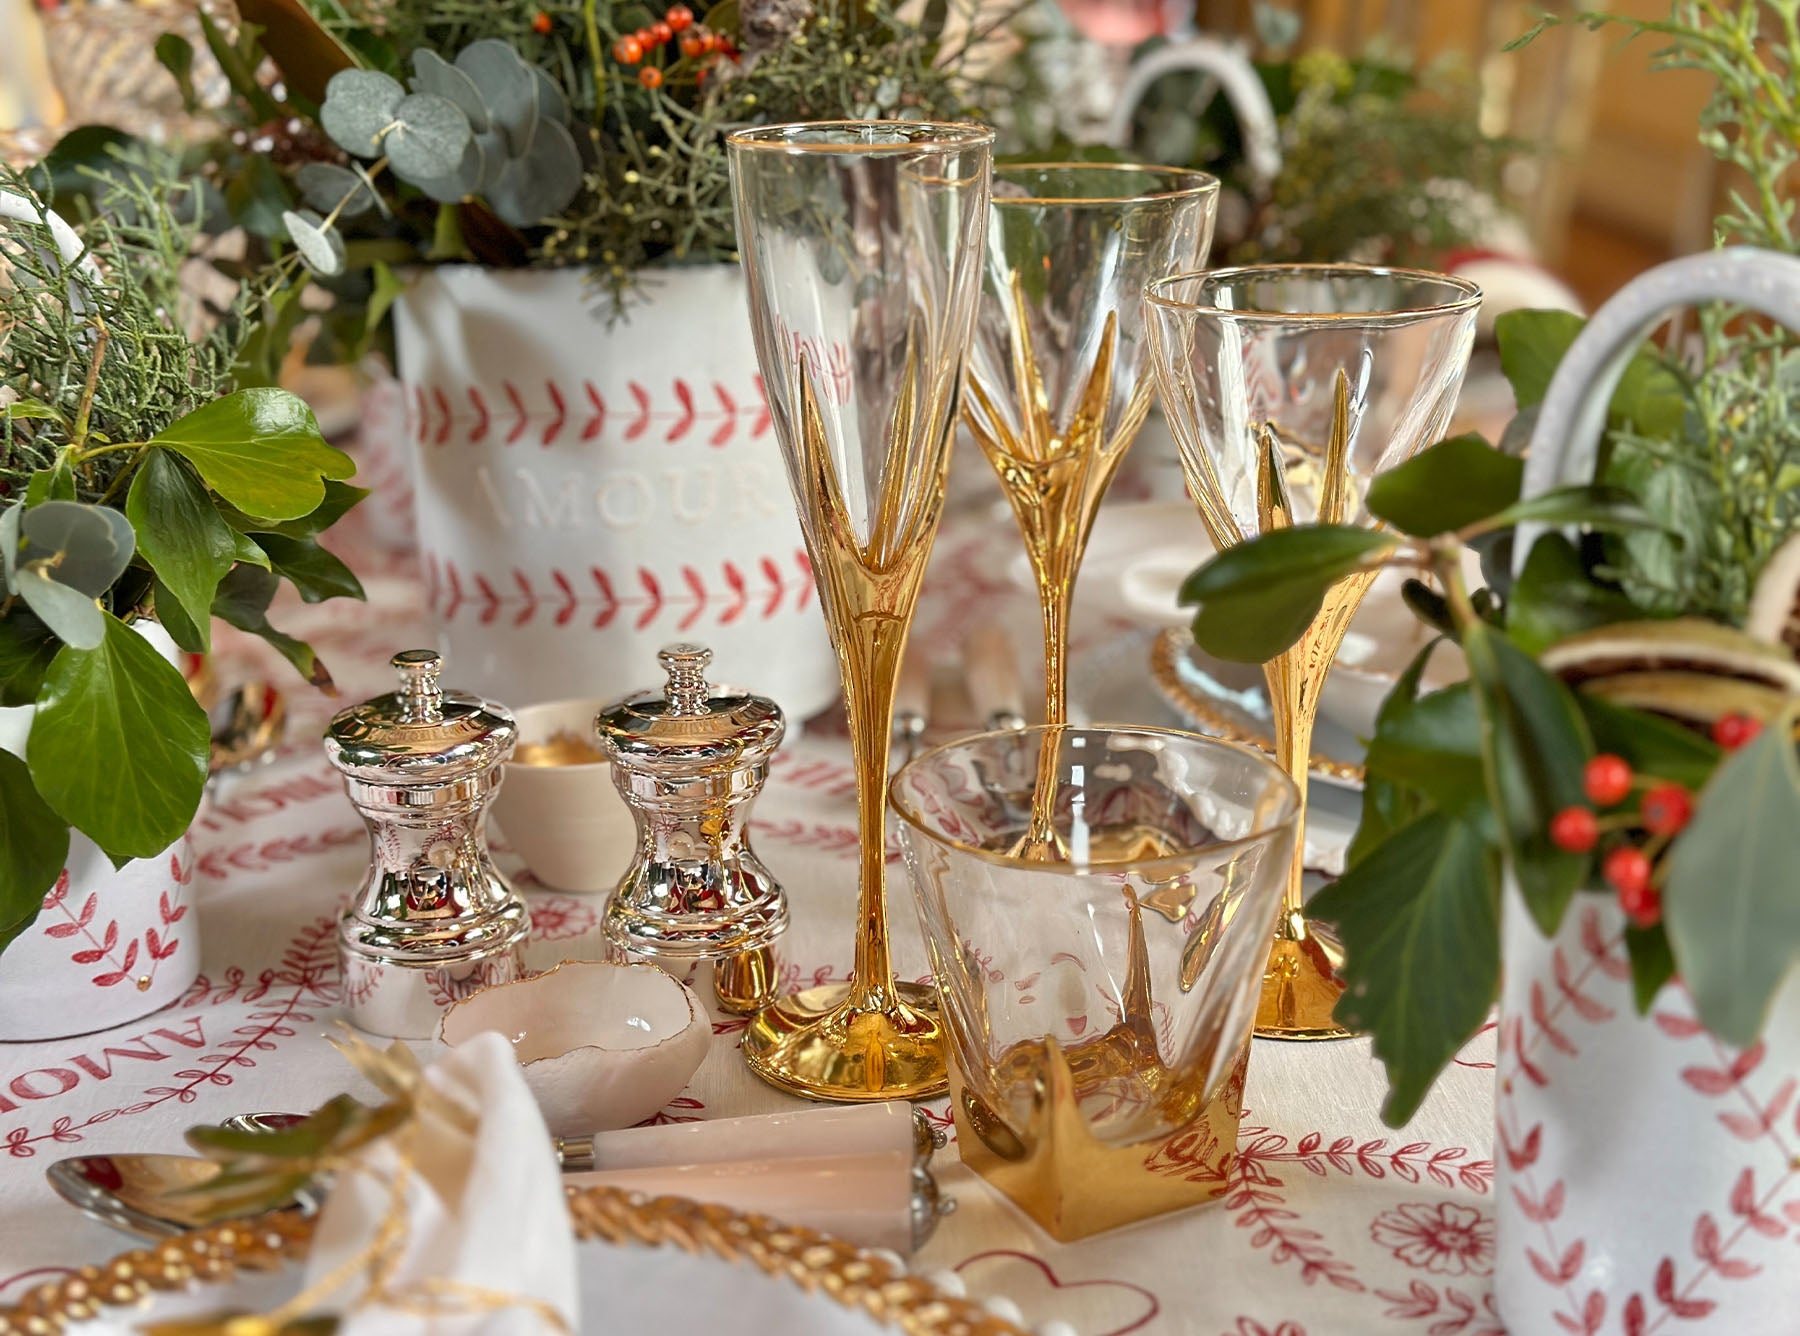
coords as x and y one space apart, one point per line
137 486
543 133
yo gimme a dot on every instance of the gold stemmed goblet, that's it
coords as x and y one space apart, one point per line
862 245
1288 388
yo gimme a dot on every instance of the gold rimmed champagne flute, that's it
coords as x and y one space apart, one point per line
1288 388
862 245
1059 375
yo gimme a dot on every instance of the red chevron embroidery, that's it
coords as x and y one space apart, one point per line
429 415
451 591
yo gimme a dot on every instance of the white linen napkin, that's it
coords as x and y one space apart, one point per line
485 1244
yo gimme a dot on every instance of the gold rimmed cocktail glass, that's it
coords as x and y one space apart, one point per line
1288 388
862 245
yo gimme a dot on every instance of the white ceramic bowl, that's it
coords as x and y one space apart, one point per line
602 1045
567 822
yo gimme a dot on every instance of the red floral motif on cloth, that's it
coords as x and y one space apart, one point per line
1249 1326
1445 1238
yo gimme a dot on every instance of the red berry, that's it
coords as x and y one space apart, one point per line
1666 809
1626 869
692 47
628 51
650 77
1732 731
662 32
540 22
646 38
1574 830
710 40
1607 779
680 18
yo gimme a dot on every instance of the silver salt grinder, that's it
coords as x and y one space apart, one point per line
434 920
689 760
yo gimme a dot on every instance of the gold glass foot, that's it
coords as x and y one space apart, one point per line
1301 986
819 1045
746 982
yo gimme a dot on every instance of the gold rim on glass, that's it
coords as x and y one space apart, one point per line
929 137
1203 184
1172 863
1160 293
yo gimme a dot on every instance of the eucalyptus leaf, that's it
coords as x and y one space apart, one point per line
260 450
552 103
119 745
1535 747
85 547
433 74
72 615
1728 895
359 110
181 535
1446 487
1258 597
459 184
508 88
243 601
315 573
1420 922
320 246
542 182
327 186
429 138
34 845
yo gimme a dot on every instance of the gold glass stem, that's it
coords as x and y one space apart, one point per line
1057 596
879 645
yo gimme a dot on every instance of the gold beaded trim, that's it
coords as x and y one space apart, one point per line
814 1261
1165 660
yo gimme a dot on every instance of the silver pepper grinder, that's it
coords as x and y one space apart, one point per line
434 920
689 760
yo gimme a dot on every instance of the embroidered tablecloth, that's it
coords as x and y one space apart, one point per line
1331 1224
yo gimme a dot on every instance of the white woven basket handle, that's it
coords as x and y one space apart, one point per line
1236 78
1565 443
69 248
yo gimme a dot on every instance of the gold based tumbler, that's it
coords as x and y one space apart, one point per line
1099 1006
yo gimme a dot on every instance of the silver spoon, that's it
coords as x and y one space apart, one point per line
130 1192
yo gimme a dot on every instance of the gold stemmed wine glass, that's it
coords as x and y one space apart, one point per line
1059 377
862 245
1288 388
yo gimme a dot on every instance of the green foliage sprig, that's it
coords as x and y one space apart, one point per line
134 483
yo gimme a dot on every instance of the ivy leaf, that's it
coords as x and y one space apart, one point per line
119 745
34 410
340 498
56 483
1532 345
261 450
1419 918
174 619
313 571
1650 744
1258 597
181 535
1433 746
26 649
1592 506
243 601
1535 746
1728 897
1446 487
34 845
